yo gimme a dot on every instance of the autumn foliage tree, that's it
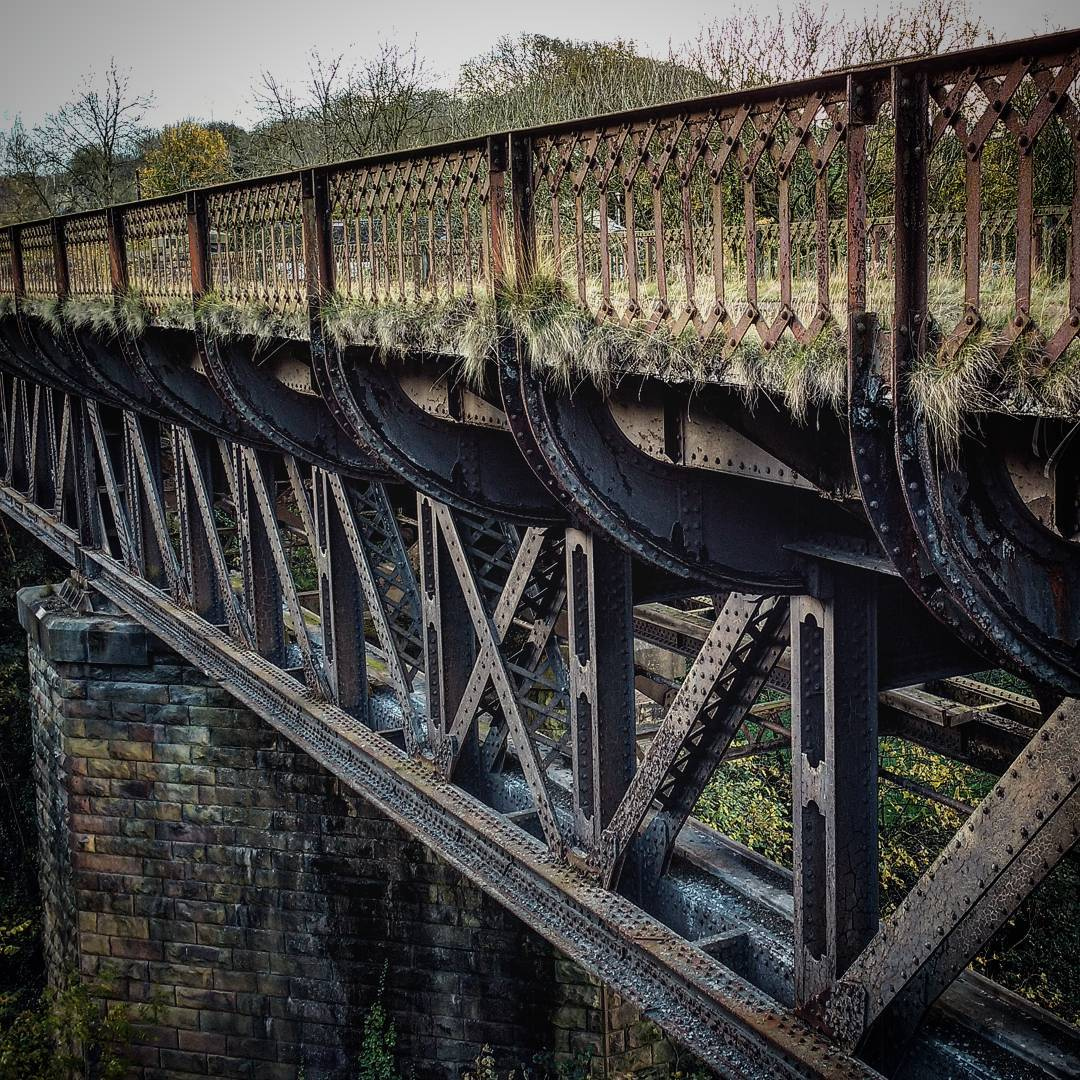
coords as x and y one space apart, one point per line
187 155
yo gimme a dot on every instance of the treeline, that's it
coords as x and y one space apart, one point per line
97 148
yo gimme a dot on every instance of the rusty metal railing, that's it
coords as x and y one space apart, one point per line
751 218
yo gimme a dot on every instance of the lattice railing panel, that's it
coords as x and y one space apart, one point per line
7 277
158 256
414 229
711 221
86 241
256 244
39 261
1005 157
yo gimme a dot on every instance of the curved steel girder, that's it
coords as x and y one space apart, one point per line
105 363
724 531
873 453
1015 580
34 354
296 423
16 356
163 360
470 468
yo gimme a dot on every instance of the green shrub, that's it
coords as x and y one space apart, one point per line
72 1032
376 1061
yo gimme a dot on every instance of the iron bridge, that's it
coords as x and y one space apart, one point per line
528 603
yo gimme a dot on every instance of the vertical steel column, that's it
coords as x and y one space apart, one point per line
195 543
911 107
262 584
602 717
834 778
341 602
449 641
148 437
87 507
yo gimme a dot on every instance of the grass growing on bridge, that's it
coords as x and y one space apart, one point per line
988 367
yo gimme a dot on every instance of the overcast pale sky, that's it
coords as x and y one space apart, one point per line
200 57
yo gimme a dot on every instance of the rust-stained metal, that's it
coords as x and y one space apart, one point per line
481 687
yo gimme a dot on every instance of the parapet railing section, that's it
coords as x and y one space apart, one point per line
154 258
413 228
255 248
696 181
751 217
86 250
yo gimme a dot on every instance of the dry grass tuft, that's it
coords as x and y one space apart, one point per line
347 321
135 313
223 319
48 310
1056 386
94 313
7 306
948 388
459 326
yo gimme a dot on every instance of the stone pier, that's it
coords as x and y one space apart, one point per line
192 856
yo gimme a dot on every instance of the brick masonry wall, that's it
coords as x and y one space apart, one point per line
194 857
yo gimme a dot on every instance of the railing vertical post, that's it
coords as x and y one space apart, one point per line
118 263
911 111
318 258
497 155
861 112
521 193
318 239
18 276
60 260
198 244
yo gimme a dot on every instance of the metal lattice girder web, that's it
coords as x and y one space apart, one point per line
733 1026
1013 839
735 660
461 569
524 597
391 571
371 534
